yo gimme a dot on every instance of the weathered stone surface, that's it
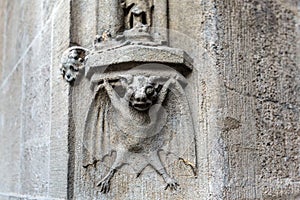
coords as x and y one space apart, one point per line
60 129
243 91
25 89
84 24
12 17
138 54
36 116
30 11
258 65
108 17
47 8
19 30
11 133
194 30
2 37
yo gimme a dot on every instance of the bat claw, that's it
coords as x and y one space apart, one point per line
172 184
104 186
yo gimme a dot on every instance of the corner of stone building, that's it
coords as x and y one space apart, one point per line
246 97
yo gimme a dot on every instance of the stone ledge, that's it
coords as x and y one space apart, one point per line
102 61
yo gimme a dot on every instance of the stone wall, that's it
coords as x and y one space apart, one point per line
245 99
31 33
257 60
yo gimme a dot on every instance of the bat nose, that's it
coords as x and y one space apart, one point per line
141 99
68 76
140 96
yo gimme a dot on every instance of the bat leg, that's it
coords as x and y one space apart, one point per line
104 184
156 163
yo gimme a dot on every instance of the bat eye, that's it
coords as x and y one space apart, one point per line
149 91
73 68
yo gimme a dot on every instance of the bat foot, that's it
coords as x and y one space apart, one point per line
104 185
172 184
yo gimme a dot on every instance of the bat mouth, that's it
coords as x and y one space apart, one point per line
141 106
69 77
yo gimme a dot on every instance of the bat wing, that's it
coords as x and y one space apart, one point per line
97 137
179 133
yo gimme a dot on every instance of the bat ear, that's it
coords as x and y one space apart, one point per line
158 88
126 78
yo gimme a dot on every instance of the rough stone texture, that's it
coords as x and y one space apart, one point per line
36 116
25 82
257 60
244 94
10 119
58 183
138 54
194 30
19 31
84 23
2 35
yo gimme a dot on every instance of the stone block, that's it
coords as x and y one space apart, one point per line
2 38
22 22
176 58
84 23
36 115
58 183
10 132
12 45
48 7
35 167
36 100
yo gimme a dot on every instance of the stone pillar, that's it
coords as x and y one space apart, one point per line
110 17
160 21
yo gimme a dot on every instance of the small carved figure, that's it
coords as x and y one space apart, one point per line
136 129
137 13
72 62
105 36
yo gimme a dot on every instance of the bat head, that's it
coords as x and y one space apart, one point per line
141 91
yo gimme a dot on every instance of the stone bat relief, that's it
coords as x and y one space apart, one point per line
135 121
138 118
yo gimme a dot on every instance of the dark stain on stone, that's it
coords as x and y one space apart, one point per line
231 124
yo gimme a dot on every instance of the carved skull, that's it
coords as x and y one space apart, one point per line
141 91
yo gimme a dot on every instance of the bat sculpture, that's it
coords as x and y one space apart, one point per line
140 118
